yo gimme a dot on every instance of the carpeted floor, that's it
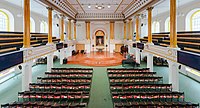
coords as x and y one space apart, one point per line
100 93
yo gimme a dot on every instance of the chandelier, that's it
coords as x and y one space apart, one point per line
99 7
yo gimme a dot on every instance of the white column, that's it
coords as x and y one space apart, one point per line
70 50
26 75
62 55
112 48
150 61
87 47
49 62
137 54
173 75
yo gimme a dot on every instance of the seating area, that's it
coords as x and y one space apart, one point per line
13 41
62 87
142 88
187 41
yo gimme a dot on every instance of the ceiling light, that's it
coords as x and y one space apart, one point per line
89 6
99 7
108 6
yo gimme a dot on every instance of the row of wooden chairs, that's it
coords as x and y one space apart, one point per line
80 96
148 96
61 74
44 105
68 70
120 70
140 87
155 105
59 87
132 74
138 80
63 79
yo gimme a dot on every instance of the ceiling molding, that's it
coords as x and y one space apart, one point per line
119 6
61 6
71 6
138 7
80 5
100 16
128 6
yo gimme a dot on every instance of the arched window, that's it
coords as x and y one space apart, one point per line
195 21
167 24
192 20
43 27
155 27
32 24
6 20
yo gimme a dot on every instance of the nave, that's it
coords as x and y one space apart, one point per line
100 92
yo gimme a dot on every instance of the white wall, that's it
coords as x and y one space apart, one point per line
80 31
99 25
18 20
181 25
119 30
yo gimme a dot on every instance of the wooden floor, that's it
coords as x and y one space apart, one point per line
96 59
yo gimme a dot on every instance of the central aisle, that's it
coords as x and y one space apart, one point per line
100 96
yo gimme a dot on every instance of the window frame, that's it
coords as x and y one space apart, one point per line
8 19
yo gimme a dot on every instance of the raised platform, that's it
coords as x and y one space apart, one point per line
97 59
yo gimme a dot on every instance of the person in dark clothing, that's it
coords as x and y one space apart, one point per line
126 48
122 49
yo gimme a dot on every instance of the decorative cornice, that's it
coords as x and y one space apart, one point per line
138 6
150 8
61 6
99 16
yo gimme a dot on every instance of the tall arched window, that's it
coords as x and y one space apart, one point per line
43 27
195 21
6 20
167 24
155 27
32 24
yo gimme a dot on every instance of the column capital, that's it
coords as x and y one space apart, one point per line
137 16
124 21
150 8
87 21
112 21
62 16
130 19
49 8
74 21
69 20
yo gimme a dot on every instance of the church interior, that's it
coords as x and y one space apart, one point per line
99 53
